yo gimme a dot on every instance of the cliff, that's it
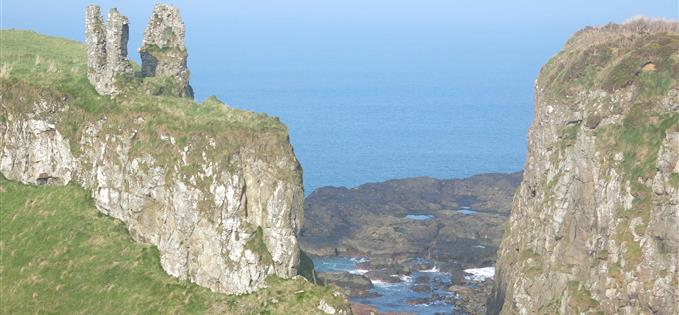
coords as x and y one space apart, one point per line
594 226
216 189
60 255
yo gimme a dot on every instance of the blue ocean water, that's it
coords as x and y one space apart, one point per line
466 211
419 217
400 296
352 128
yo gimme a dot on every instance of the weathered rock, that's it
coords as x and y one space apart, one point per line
95 39
326 308
163 53
223 221
370 220
344 280
472 299
363 309
106 49
595 223
117 35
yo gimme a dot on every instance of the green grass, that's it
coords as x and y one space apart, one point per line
532 262
58 254
674 179
34 67
256 245
657 49
581 299
612 64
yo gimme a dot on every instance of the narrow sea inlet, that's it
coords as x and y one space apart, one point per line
420 292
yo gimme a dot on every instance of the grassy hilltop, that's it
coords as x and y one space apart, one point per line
35 66
58 253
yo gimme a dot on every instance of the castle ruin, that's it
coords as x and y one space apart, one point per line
106 49
163 52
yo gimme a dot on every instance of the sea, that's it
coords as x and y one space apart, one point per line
353 128
400 296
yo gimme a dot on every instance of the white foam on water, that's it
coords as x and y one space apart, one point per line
406 279
380 283
419 217
358 260
358 271
423 305
433 269
480 274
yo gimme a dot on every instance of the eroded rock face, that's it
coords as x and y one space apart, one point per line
372 220
106 49
226 224
163 53
595 223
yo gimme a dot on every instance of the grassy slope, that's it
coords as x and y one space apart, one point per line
58 254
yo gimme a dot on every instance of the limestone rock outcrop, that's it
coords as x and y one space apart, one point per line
225 222
163 53
106 49
217 191
594 227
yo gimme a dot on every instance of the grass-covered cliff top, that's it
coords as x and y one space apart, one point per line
29 58
641 52
637 65
35 66
58 254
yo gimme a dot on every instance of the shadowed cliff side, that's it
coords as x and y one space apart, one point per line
594 226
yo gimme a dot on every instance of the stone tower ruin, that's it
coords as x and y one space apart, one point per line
106 49
163 52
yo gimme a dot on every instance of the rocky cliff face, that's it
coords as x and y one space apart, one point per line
217 190
595 223
223 222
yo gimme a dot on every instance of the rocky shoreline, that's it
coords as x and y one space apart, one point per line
417 235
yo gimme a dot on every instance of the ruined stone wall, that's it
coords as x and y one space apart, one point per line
163 53
106 49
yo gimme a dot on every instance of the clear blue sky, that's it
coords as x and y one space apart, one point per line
251 35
